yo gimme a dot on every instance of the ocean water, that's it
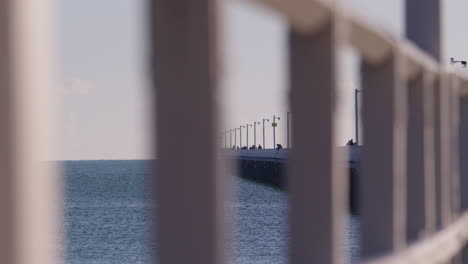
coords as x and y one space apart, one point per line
108 217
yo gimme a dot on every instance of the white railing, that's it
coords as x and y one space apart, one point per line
410 184
413 185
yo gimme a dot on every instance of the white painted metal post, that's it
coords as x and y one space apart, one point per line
454 153
443 178
274 130
429 154
437 150
424 28
416 215
188 188
247 127
240 135
383 179
463 154
268 120
235 137
421 218
225 138
287 129
318 188
30 189
255 132
356 115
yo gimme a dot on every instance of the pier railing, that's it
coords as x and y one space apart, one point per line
414 117
414 178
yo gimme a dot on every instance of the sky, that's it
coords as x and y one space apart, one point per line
104 84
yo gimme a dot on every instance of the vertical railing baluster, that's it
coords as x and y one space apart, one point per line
463 156
382 183
438 150
421 218
443 182
420 153
454 154
455 141
415 160
424 28
188 188
30 217
317 187
7 204
430 220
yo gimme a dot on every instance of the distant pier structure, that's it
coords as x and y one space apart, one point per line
269 166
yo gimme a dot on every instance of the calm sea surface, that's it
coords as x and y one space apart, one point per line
108 217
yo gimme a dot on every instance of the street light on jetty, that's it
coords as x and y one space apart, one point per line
235 137
356 114
247 126
287 128
274 125
240 135
462 62
255 132
225 139
230 138
268 120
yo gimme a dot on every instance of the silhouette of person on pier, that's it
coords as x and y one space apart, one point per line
350 143
278 147
259 146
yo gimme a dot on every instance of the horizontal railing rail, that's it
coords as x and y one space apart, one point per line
373 43
438 248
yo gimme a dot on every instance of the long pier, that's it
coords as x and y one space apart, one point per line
269 166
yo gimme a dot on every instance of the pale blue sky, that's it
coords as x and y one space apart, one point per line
104 83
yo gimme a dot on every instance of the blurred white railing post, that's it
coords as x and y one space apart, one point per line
317 187
455 149
463 154
423 27
383 179
444 179
430 211
420 168
189 197
30 218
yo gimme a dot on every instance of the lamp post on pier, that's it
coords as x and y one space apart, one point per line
274 125
356 114
247 126
235 137
255 132
225 139
268 120
230 138
240 135
287 128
